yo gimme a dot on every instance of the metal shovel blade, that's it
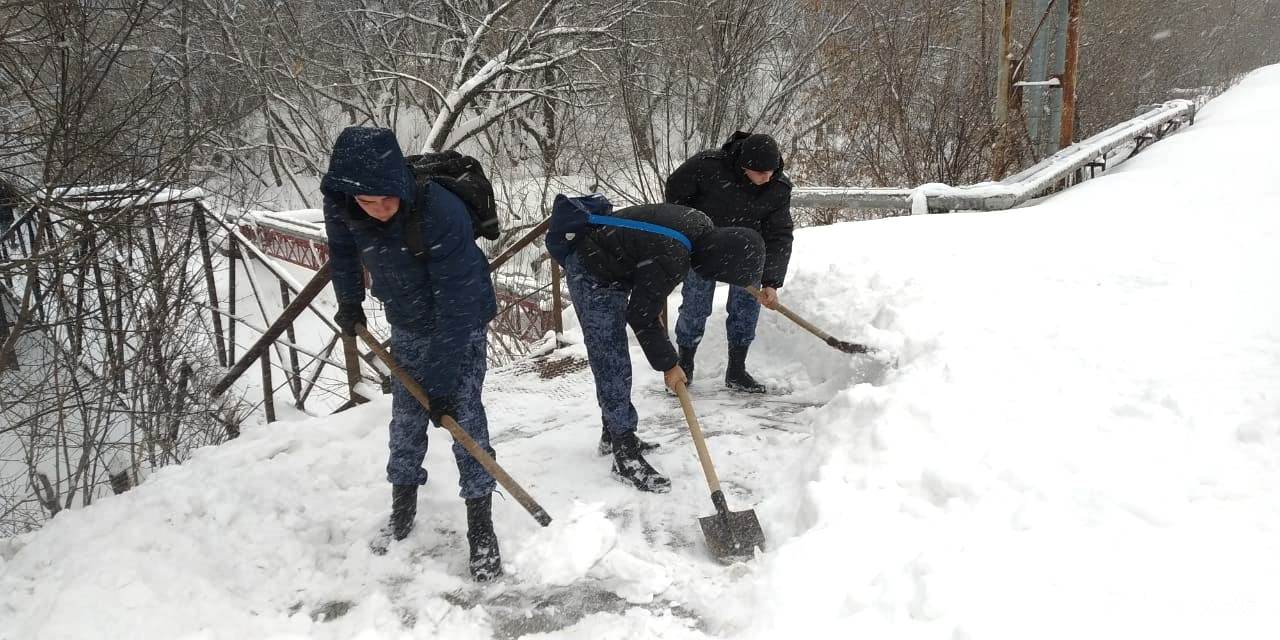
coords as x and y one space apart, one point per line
848 347
732 536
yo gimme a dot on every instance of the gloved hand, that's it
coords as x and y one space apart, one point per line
442 406
348 316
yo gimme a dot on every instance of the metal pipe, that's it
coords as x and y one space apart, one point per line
202 230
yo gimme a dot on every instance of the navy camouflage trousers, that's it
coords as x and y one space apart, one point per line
602 312
695 308
409 421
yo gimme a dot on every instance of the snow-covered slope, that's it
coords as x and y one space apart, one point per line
1082 439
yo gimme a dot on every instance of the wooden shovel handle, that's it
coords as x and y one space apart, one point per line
791 315
351 355
847 347
456 431
699 442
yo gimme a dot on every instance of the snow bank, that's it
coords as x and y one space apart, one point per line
1082 436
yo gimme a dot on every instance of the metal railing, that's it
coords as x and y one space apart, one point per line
302 300
1062 168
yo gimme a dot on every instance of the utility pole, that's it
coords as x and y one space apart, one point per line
1004 87
1070 70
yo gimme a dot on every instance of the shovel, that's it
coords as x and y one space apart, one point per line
456 431
847 347
732 536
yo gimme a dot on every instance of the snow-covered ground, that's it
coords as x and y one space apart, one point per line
1081 439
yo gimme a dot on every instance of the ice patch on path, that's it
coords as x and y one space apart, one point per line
584 545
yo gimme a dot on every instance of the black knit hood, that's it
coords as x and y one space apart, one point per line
755 151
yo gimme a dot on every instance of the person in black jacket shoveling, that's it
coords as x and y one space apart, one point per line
620 267
439 306
739 185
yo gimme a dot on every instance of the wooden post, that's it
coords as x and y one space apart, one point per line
202 232
1004 86
295 380
268 401
1070 70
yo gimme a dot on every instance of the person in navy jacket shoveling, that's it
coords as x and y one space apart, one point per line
438 305
620 268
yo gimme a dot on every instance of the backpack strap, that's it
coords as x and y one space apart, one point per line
611 221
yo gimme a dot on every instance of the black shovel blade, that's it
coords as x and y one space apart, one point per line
732 536
848 347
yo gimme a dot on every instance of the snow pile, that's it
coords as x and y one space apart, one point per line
1081 438
585 544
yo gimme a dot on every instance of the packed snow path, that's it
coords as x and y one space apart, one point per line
1082 439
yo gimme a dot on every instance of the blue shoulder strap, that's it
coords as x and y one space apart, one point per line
612 221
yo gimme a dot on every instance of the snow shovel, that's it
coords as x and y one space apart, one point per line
732 536
847 347
456 431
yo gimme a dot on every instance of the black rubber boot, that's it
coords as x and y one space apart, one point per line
606 444
629 466
486 560
404 508
736 376
686 362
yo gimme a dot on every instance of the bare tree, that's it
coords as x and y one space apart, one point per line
111 351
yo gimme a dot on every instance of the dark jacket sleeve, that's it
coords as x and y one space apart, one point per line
776 229
344 255
459 279
682 184
653 282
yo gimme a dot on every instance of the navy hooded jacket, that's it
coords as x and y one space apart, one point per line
449 294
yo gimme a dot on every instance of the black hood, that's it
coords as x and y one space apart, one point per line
755 151
368 161
729 254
